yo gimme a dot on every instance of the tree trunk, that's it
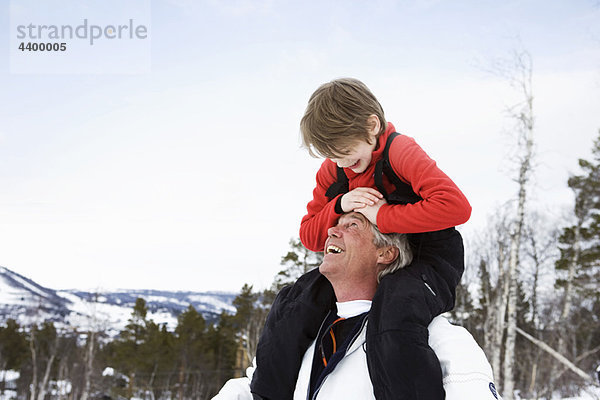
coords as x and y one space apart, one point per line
152 377
533 378
44 383
511 321
567 302
181 381
34 372
524 117
501 303
564 315
63 373
89 361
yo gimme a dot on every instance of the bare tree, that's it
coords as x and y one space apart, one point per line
88 360
96 324
52 352
500 300
540 240
519 74
34 372
491 252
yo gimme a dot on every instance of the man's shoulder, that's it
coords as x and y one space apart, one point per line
442 332
312 291
456 348
466 371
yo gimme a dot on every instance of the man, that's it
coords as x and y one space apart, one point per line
338 363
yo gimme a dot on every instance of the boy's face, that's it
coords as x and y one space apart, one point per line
359 156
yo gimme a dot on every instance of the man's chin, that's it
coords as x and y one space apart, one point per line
323 269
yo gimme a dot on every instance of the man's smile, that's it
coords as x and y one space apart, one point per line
333 249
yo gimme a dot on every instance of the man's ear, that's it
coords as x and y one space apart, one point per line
387 255
373 125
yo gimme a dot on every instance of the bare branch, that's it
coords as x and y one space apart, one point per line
558 356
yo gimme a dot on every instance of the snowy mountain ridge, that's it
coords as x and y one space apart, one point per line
29 303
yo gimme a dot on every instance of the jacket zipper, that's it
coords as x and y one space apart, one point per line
356 335
424 277
318 335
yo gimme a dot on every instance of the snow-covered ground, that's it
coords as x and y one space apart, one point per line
588 393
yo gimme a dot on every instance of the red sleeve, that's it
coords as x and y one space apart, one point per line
321 211
443 205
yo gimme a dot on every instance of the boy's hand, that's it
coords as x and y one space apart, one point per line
370 212
359 198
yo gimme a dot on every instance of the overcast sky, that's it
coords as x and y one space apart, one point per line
190 175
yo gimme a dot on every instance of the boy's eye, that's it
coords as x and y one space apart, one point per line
344 152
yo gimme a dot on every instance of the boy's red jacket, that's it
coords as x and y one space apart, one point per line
443 204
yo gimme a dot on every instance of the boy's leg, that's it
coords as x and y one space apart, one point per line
401 363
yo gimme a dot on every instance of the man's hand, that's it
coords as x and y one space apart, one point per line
370 212
359 198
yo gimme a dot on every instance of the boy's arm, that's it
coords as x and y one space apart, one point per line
322 213
443 205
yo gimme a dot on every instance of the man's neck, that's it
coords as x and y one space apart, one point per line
345 293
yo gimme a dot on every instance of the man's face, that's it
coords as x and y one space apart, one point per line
350 254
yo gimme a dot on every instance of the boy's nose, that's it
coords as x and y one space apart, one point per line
338 161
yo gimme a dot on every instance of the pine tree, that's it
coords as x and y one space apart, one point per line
190 348
220 349
44 348
580 243
13 346
579 263
249 320
135 330
299 260
125 352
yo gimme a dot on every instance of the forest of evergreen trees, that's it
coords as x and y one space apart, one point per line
144 361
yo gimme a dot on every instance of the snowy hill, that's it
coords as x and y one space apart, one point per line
27 302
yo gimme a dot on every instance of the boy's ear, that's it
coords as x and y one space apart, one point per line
387 255
373 124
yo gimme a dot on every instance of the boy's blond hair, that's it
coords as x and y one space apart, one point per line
336 117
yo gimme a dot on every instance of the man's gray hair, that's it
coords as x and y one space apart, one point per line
398 240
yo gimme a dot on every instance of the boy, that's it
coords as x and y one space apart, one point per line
345 123
389 179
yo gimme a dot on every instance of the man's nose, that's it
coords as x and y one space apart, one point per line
334 231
